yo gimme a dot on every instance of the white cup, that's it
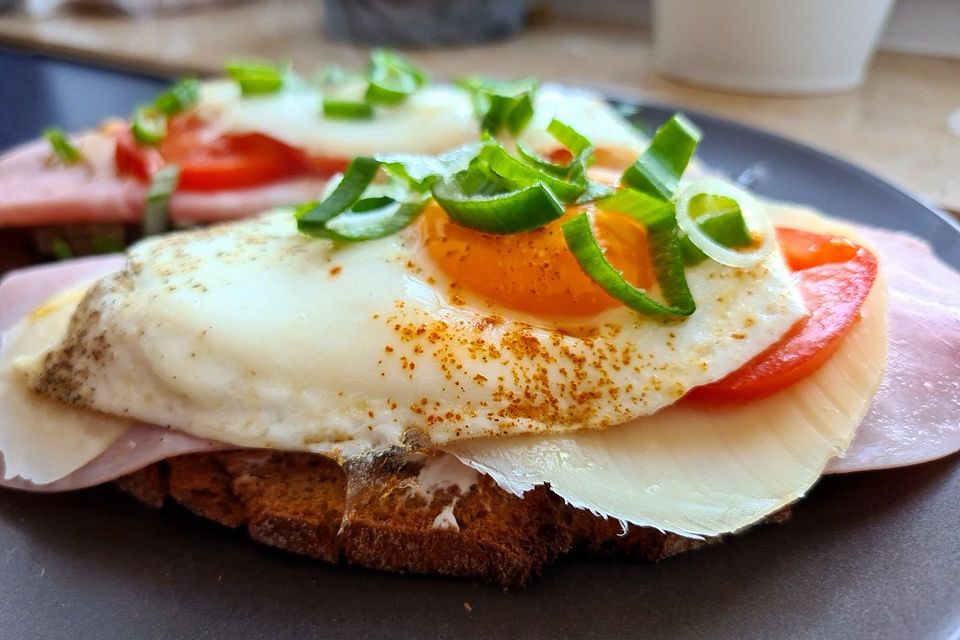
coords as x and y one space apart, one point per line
768 46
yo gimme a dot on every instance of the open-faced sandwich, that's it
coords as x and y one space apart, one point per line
472 363
264 137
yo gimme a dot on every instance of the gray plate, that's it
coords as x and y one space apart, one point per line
872 555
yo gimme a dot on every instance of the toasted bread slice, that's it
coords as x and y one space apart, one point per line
304 503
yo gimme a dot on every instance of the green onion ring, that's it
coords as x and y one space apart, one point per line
664 253
156 218
347 109
391 78
65 151
505 213
255 78
149 126
658 169
356 226
520 174
182 95
753 214
312 219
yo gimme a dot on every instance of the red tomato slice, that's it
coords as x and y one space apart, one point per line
834 277
134 160
214 163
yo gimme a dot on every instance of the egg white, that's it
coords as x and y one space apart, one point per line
434 119
254 335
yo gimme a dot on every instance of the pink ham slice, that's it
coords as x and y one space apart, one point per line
914 417
36 190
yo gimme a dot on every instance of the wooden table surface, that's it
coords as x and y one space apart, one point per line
897 125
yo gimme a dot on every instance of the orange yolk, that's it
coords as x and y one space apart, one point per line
535 272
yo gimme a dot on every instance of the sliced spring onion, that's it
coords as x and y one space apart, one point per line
156 218
520 174
658 169
664 253
364 223
645 209
503 213
569 137
721 219
502 105
60 249
182 95
256 78
63 149
595 191
347 109
754 217
534 159
420 171
149 126
392 78
312 218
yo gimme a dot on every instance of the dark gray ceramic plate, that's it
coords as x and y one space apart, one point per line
873 555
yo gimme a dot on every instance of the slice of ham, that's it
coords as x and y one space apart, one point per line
914 417
37 190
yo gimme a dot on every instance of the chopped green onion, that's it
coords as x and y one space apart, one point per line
256 78
664 253
156 218
312 220
690 203
420 171
595 191
520 174
503 213
149 126
347 109
392 78
332 76
60 249
721 219
63 149
658 169
534 159
362 223
502 105
182 95
569 137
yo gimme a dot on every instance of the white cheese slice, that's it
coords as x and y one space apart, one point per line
701 471
43 440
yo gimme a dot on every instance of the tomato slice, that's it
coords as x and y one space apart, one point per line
134 160
210 162
834 277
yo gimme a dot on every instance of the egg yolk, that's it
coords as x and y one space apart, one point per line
534 272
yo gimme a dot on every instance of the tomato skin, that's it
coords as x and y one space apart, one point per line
133 159
323 166
834 276
210 162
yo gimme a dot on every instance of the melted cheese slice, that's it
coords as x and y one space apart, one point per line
700 471
43 440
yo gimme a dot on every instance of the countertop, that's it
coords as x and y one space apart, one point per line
903 123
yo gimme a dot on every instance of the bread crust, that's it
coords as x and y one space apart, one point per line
305 504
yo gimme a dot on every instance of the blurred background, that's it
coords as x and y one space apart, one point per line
876 82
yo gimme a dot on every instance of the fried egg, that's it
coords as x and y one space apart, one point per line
255 335
434 119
